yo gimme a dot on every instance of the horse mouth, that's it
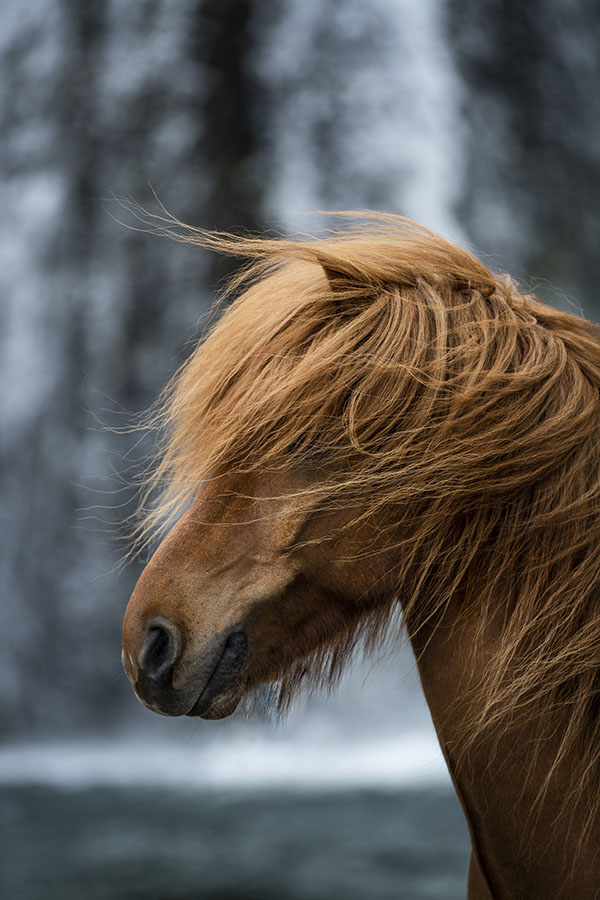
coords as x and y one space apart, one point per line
224 688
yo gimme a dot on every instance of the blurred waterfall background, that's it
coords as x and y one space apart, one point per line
480 121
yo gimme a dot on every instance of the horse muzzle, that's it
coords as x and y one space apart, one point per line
174 680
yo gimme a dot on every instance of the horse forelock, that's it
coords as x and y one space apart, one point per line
446 401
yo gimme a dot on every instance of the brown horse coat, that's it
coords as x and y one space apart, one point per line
378 418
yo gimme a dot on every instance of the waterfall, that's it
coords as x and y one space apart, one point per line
390 105
366 111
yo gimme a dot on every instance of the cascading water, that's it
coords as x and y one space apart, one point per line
478 124
360 108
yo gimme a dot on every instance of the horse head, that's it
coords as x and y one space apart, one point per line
379 418
257 577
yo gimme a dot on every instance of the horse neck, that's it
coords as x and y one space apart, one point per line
516 854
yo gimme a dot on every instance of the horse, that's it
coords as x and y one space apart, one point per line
377 420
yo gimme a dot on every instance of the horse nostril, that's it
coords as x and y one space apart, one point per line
160 651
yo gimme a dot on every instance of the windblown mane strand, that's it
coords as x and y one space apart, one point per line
459 410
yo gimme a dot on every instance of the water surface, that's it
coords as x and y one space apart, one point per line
120 843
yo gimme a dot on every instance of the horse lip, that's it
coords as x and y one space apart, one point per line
222 678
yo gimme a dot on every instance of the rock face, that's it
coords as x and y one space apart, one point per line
237 114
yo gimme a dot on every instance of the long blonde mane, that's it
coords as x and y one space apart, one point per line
449 403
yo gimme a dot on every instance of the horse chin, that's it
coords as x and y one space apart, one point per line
223 691
219 707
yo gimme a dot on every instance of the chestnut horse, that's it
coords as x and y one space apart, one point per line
377 418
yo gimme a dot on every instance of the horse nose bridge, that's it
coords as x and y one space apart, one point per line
161 587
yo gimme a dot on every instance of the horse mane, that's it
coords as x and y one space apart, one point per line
460 410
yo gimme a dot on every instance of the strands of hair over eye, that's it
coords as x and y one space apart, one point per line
457 413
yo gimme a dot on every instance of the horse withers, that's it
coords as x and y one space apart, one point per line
377 418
